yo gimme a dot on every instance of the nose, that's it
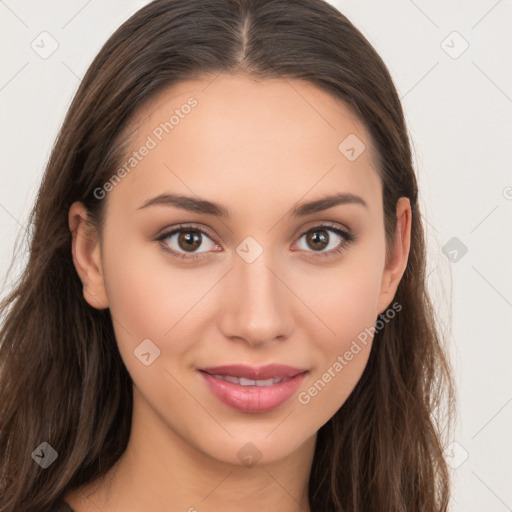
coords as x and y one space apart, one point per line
257 304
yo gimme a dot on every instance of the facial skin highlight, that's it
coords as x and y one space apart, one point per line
259 148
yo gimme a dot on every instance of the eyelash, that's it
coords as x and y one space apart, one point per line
349 238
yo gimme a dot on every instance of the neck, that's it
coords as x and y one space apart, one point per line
160 468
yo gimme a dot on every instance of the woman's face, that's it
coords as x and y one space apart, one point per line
243 283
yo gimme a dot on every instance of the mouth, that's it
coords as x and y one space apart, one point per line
251 389
261 374
242 381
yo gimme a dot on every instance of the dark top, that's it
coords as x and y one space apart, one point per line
60 506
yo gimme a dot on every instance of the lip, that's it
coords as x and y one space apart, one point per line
253 399
255 373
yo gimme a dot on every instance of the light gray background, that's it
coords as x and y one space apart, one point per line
458 109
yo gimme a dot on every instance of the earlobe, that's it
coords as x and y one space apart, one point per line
398 257
86 254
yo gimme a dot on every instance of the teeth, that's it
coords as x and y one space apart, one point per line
241 381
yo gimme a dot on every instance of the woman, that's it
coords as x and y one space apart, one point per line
225 303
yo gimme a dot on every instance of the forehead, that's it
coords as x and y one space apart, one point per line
235 136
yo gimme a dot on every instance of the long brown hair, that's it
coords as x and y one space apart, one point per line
62 379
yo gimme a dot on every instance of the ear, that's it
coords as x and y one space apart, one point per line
397 260
86 252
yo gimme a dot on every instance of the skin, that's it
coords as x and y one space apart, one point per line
258 148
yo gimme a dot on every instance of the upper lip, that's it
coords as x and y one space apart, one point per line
255 373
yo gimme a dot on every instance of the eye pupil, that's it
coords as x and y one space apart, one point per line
191 239
322 239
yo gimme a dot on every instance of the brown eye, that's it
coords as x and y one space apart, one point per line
189 240
184 242
317 239
320 240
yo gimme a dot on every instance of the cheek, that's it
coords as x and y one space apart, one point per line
350 311
147 302
341 356
332 382
345 299
146 296
150 298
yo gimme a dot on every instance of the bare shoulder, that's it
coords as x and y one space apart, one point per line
80 500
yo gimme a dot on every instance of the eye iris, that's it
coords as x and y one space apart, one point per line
323 238
191 239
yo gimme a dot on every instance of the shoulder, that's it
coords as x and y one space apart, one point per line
60 506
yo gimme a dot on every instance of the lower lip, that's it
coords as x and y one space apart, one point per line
253 398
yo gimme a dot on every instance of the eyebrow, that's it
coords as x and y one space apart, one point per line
196 205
